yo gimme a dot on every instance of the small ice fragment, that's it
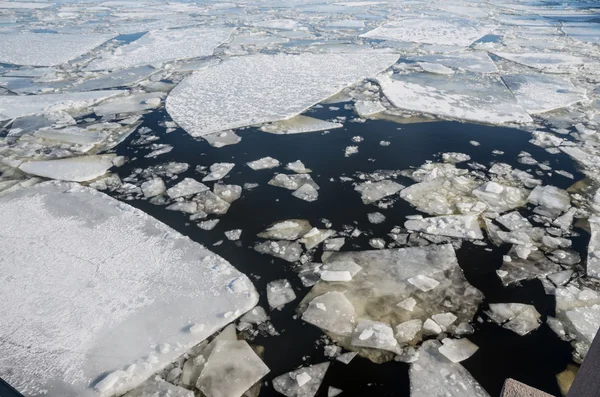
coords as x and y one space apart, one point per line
153 187
408 304
187 187
298 167
431 327
444 319
406 331
218 171
333 276
374 334
263 163
423 282
279 293
233 235
303 378
197 328
288 385
346 357
376 217
306 192
377 243
457 350
291 229
208 225
333 391
339 317
350 150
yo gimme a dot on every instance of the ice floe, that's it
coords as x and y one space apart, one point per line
161 46
256 89
108 335
299 125
75 169
303 382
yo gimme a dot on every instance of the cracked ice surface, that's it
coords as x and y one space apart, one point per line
431 30
163 46
106 300
482 99
256 89
47 49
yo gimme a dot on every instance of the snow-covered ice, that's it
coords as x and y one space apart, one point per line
255 89
161 46
299 125
263 163
105 300
291 229
47 49
75 169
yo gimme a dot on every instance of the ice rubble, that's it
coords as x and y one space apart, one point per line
433 375
161 46
125 260
517 317
432 30
47 49
482 99
291 229
299 125
385 279
303 382
14 106
372 192
256 89
186 187
460 226
75 169
279 293
160 388
593 258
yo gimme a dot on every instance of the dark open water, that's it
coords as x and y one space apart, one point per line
534 359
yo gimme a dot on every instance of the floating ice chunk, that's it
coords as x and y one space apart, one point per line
377 243
444 319
342 266
119 78
435 68
264 163
368 108
306 192
334 244
212 203
455 158
350 150
218 171
15 106
189 207
162 46
423 283
231 369
431 327
334 391
47 49
144 290
129 104
374 334
525 263
517 317
153 187
440 197
461 96
550 198
408 304
187 187
286 250
255 316
279 293
263 88
156 387
224 138
316 236
376 217
298 167
374 191
546 62
501 198
593 257
336 275
233 235
292 182
540 93
208 225
457 350
432 30
299 125
460 226
289 386
291 229
433 375
76 169
338 315
514 221
407 331
346 357
228 193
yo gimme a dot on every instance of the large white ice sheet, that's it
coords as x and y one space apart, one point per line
262 88
47 49
460 96
432 30
14 106
95 286
162 46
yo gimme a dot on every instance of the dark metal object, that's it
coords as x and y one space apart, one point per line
587 382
